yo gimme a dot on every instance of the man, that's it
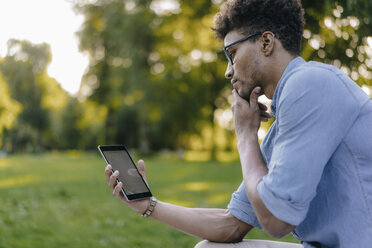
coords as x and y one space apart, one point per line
312 174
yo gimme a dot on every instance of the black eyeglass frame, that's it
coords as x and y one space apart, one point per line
228 56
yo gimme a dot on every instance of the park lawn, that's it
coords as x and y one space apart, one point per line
62 200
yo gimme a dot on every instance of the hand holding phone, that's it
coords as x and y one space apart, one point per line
139 206
134 186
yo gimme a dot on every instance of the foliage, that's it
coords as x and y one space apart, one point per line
337 32
62 200
50 118
118 72
79 125
156 76
24 69
145 68
9 108
160 72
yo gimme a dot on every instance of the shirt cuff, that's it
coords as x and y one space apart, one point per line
243 211
283 209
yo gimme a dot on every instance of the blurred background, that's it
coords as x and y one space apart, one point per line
148 74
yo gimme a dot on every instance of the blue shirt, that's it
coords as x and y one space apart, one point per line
319 158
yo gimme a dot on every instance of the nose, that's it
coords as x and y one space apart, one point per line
229 71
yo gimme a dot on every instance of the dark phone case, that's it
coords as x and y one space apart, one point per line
132 197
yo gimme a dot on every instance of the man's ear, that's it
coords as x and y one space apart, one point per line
267 40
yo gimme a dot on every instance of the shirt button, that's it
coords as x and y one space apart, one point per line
272 167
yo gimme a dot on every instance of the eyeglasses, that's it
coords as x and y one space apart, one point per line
228 55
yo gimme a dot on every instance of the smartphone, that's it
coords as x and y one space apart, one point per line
134 186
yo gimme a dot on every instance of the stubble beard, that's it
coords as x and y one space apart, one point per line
249 85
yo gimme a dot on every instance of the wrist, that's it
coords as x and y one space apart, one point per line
141 208
247 139
150 208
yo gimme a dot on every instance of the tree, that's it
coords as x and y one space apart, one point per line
147 73
24 69
118 42
160 72
80 125
336 32
9 108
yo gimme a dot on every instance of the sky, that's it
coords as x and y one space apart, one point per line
50 21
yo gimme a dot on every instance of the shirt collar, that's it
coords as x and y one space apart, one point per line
279 87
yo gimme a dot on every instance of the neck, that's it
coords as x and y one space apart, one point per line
277 65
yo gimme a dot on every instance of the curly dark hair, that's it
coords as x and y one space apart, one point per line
285 18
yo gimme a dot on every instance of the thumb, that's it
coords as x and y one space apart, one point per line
253 100
142 169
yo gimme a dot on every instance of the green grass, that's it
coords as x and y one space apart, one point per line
62 200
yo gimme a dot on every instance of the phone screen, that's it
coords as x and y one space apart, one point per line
133 184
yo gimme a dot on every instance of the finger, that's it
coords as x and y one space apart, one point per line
253 100
142 169
262 106
234 92
117 189
264 119
265 114
239 101
236 95
113 177
108 171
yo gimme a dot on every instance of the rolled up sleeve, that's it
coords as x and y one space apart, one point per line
313 116
241 208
